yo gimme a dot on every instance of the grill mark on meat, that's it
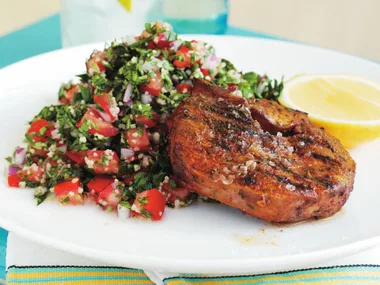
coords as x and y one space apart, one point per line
248 180
324 158
282 179
324 182
229 112
305 177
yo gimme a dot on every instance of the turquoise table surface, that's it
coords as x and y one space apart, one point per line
45 36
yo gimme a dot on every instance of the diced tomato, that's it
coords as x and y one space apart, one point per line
232 87
179 194
154 86
137 142
40 130
77 156
175 194
39 152
156 117
69 192
14 180
159 42
184 88
148 122
102 161
132 159
130 178
95 62
53 163
162 42
98 184
110 197
33 173
108 104
66 186
150 204
185 61
59 143
151 45
97 125
205 72
68 94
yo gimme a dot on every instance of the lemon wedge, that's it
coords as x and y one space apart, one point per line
347 106
127 4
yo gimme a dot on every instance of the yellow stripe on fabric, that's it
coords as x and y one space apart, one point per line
259 280
87 282
70 273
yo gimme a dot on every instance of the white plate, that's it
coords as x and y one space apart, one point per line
203 238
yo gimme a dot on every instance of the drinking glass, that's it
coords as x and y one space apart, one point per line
85 21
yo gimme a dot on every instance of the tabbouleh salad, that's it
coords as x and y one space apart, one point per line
107 138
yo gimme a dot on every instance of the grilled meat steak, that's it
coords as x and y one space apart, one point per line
258 156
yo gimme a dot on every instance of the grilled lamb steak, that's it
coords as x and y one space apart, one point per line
258 156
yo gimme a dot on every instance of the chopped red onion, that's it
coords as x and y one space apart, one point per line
63 148
127 99
211 62
145 161
122 212
121 113
126 153
164 117
176 44
149 66
128 40
262 78
146 98
105 116
20 156
188 82
19 149
12 170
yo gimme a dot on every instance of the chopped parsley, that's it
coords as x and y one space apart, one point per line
142 109
145 213
140 76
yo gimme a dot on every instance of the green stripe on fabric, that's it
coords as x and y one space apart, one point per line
361 275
